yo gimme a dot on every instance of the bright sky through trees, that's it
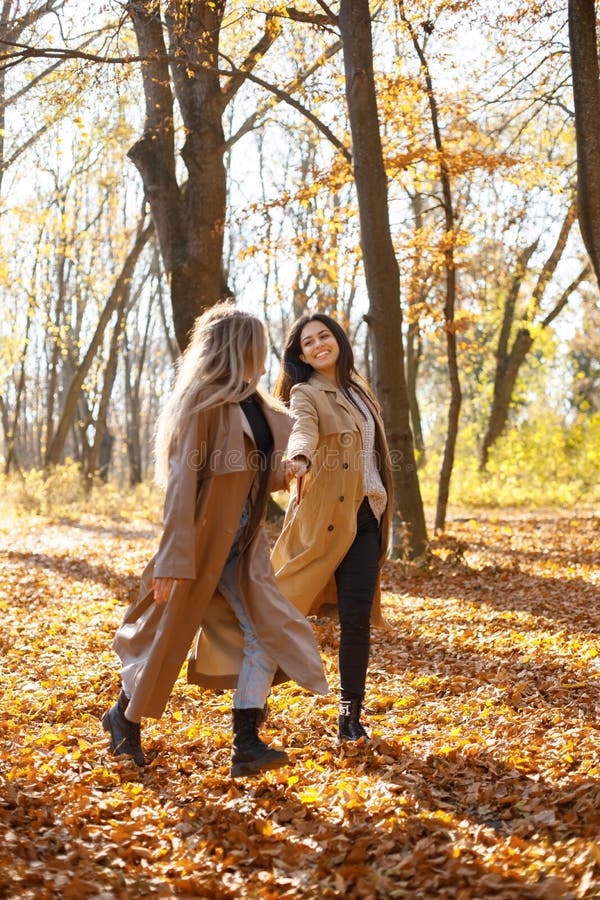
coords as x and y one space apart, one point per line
71 198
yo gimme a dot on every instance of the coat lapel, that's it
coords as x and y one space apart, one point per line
325 385
279 421
244 423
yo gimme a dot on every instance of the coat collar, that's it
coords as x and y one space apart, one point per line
246 429
323 384
319 381
279 420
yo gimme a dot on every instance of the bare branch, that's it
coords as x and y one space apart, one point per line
256 116
7 163
329 12
42 75
287 98
564 297
63 53
551 263
299 15
17 26
26 51
271 33
508 317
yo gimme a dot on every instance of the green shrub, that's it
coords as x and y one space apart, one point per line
61 494
539 463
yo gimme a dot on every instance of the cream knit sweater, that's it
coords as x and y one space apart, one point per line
374 489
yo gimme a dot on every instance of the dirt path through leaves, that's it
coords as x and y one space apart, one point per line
483 779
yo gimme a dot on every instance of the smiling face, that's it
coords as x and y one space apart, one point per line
319 349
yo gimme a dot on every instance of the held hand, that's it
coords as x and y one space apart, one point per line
295 468
163 587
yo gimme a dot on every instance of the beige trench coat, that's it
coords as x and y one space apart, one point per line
319 529
212 471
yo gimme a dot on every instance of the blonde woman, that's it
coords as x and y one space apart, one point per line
335 534
219 444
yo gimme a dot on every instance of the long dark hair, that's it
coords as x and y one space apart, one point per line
295 371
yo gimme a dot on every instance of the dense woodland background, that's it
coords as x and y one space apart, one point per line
429 172
156 157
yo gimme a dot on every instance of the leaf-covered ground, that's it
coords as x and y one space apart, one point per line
483 779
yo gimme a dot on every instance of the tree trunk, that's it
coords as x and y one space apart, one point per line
190 222
496 422
414 347
133 426
419 289
11 437
105 455
5 422
381 269
52 381
133 417
54 332
110 372
7 35
454 405
55 449
450 294
508 363
586 95
2 123
99 457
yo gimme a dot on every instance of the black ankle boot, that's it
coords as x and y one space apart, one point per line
249 754
124 735
263 714
349 727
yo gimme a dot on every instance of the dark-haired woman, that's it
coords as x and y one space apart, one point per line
335 533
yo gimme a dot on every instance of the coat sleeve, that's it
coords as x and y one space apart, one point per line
176 552
305 431
278 481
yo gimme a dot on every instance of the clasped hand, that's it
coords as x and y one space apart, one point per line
163 587
295 468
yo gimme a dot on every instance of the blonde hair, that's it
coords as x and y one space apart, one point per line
225 344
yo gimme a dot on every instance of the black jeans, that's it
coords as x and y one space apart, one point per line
356 577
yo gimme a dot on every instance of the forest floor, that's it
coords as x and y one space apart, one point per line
482 780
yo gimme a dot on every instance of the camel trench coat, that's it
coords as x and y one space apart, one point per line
213 470
319 528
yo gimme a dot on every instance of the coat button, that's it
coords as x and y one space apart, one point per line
330 528
341 499
344 465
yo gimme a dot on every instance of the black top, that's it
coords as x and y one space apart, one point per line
263 438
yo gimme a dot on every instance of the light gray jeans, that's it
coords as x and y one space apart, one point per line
258 668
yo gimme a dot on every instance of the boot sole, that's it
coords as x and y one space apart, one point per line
349 740
259 765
